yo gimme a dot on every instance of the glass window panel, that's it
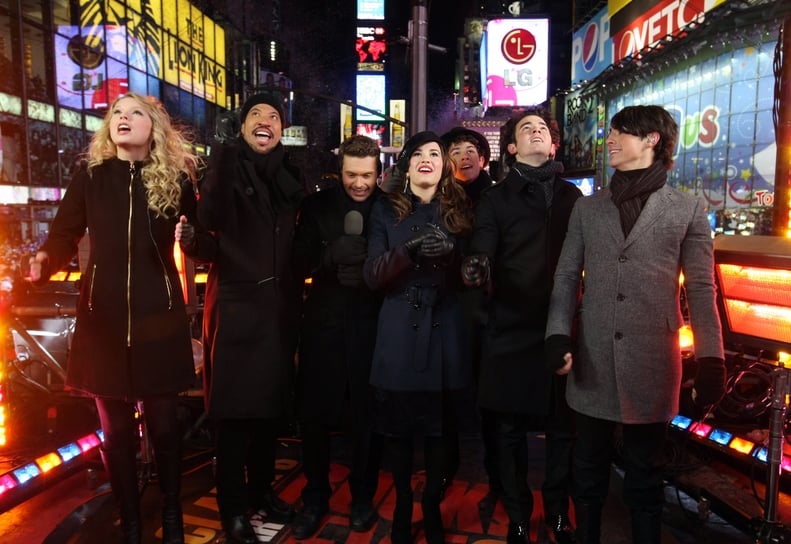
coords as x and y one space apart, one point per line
185 108
62 13
33 10
14 165
137 81
153 87
72 143
34 62
43 154
10 82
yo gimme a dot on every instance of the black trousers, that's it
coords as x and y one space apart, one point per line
367 449
556 489
244 447
511 435
643 456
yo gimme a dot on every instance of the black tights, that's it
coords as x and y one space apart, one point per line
117 419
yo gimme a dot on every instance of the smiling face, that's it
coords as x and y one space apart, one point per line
467 162
130 129
262 128
358 175
533 141
629 151
425 167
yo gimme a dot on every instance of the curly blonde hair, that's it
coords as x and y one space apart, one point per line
454 207
169 159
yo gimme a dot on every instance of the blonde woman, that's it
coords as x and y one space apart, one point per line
132 340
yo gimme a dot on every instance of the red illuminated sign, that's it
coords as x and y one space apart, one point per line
518 46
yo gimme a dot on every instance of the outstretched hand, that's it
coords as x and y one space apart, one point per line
36 263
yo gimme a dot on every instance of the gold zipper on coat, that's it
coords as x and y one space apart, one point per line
90 288
129 257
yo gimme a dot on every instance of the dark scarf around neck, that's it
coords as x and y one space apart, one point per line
283 191
630 191
543 175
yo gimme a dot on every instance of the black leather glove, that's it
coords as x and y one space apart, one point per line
226 128
556 347
413 244
710 381
350 275
347 249
437 245
475 270
187 237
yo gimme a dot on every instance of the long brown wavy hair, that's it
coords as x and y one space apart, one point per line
169 159
454 208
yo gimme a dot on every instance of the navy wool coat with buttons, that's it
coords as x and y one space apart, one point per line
420 343
132 335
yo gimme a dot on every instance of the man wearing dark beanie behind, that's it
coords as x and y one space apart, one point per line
249 199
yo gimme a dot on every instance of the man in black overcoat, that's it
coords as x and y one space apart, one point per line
520 226
249 200
337 337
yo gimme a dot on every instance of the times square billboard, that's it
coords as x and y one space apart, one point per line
515 62
726 150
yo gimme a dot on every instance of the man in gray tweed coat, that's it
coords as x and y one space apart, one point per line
632 240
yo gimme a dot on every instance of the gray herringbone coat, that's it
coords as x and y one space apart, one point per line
627 363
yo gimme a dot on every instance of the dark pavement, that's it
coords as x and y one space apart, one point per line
78 509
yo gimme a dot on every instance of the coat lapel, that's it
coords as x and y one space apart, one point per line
654 208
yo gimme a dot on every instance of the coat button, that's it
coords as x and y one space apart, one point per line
435 325
618 335
249 191
414 326
622 259
417 266
414 228
620 297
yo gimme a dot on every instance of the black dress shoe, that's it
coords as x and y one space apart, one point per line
562 529
274 508
239 531
362 516
518 533
307 521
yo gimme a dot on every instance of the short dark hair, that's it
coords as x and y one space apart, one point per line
642 120
508 134
360 146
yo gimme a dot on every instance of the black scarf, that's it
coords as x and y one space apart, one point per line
543 175
282 192
631 189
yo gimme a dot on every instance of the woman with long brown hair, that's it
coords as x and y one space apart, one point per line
421 364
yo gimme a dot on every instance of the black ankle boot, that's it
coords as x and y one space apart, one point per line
121 467
401 531
518 532
239 531
169 472
561 529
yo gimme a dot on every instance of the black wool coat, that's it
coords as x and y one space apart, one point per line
523 240
132 335
252 299
338 327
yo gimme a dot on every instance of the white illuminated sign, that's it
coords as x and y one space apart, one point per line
517 62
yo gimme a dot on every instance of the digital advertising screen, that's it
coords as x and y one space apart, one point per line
517 62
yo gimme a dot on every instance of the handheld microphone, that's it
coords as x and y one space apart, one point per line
353 223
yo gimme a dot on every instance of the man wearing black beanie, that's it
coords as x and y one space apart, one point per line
249 200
